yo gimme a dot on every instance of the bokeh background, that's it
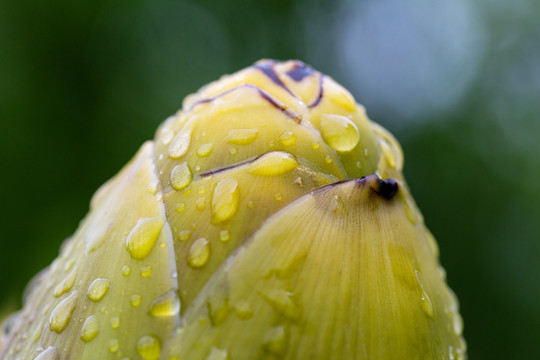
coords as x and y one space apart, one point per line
84 83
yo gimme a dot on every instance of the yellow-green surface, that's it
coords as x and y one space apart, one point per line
269 219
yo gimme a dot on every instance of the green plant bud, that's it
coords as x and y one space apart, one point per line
268 219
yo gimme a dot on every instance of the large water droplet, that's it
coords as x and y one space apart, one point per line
199 253
90 329
205 150
167 304
149 347
61 314
225 200
273 164
275 340
339 132
65 285
143 237
97 289
218 354
180 144
241 136
287 138
49 354
181 176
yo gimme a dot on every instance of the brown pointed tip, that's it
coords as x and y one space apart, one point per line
384 188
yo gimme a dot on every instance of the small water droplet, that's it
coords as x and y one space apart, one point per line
218 354
298 181
90 329
180 207
184 235
205 150
358 165
388 154
201 189
243 310
69 265
250 204
114 345
167 136
199 253
232 151
65 285
278 197
114 322
143 237
181 176
287 138
366 152
152 186
339 132
200 204
187 191
197 167
241 136
224 235
273 164
425 301
166 305
162 244
276 340
97 289
315 145
149 347
135 300
180 143
126 270
61 314
51 353
328 159
225 200
282 302
146 271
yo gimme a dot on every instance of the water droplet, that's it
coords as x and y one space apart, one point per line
135 300
149 347
61 314
165 305
358 165
65 285
278 197
241 136
152 186
315 145
273 164
224 235
167 136
287 138
366 152
90 329
50 354
205 150
197 167
232 151
425 301
298 181
250 204
225 200
180 207
180 144
187 191
146 271
143 237
200 204
407 206
339 132
243 310
275 340
114 345
201 189
218 354
184 235
114 322
97 289
282 302
388 154
69 265
162 244
328 159
181 176
199 253
126 270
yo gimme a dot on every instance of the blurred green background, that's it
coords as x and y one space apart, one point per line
84 83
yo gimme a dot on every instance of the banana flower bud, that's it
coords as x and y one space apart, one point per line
268 219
